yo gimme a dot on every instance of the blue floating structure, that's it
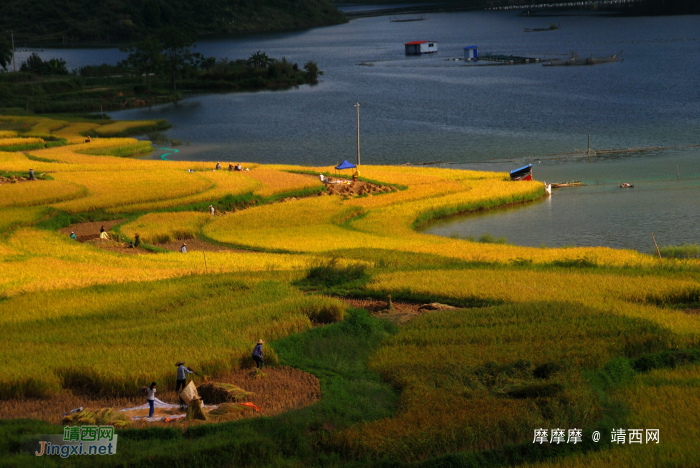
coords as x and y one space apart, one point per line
471 53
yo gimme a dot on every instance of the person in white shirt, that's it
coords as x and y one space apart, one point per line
183 249
150 398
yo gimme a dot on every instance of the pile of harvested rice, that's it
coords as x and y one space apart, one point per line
215 393
226 408
101 417
195 411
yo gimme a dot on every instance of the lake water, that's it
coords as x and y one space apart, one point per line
418 109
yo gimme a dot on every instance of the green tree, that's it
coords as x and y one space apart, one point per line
35 65
5 53
259 60
312 71
176 48
145 58
151 13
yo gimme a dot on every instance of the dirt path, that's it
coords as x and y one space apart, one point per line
403 311
283 390
87 231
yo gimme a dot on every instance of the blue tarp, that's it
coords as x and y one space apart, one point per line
522 169
345 165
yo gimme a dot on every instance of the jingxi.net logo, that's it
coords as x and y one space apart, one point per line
76 440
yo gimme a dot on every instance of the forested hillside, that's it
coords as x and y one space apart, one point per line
107 21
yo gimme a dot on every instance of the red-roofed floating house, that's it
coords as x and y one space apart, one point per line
421 47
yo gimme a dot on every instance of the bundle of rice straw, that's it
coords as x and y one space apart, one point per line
195 411
257 374
215 393
226 408
101 417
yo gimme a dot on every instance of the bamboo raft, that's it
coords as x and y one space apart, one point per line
576 60
568 184
508 59
394 19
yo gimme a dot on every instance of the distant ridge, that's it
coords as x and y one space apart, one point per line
114 21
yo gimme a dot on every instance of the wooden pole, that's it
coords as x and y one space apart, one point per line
589 144
657 246
357 105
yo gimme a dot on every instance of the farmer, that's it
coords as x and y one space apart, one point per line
218 166
238 167
212 210
73 236
230 167
183 249
150 398
258 354
31 174
102 229
182 372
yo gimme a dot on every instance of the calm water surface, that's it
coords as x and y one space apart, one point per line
482 117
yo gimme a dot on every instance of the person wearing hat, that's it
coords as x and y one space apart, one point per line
182 372
183 249
73 236
258 354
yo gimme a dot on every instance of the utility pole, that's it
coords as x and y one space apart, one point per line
14 64
357 105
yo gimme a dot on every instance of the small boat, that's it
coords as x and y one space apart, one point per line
524 173
626 185
552 27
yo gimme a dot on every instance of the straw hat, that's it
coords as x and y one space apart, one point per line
180 363
260 341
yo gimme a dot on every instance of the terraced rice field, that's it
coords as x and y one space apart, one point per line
540 337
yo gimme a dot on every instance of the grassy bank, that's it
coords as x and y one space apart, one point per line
104 88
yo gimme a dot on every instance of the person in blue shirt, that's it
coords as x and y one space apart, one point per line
182 372
73 236
258 354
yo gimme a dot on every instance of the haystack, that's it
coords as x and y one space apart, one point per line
215 393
